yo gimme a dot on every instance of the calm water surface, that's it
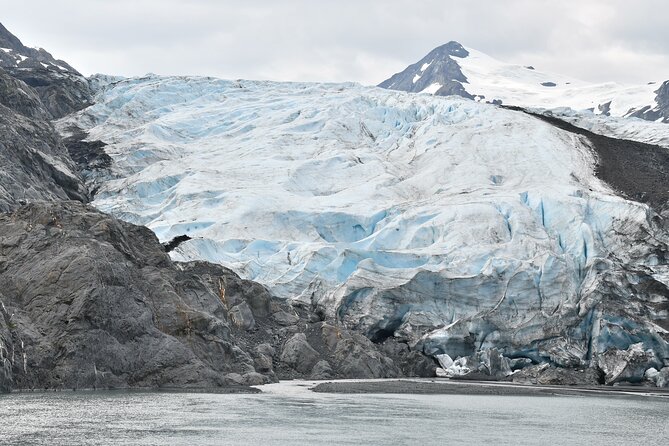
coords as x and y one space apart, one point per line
289 414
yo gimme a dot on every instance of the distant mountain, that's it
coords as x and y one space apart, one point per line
452 69
61 88
14 54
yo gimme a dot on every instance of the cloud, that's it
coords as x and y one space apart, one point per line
362 40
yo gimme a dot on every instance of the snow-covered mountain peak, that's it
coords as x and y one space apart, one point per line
14 54
451 48
436 73
61 88
453 69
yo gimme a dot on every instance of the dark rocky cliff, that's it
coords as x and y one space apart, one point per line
34 164
61 88
90 301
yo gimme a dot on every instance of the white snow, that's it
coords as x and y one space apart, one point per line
332 191
517 85
6 50
425 66
432 88
416 77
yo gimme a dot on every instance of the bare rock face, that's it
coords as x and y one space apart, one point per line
439 66
60 87
89 301
661 110
34 164
242 316
298 354
322 370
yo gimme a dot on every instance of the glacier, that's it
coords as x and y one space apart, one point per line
453 225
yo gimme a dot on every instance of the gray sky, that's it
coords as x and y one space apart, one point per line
363 41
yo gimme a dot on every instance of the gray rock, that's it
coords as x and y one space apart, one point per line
96 303
263 363
322 370
519 363
288 331
266 349
234 379
298 354
417 364
356 357
60 87
242 316
255 379
254 295
661 109
331 336
34 164
284 318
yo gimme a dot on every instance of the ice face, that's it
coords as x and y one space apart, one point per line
443 221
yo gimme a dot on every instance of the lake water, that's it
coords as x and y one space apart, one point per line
289 414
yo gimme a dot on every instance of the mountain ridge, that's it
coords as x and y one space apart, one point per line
474 75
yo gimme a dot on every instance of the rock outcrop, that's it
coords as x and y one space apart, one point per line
438 70
661 110
61 88
34 164
89 301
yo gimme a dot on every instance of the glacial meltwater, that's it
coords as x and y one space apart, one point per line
290 414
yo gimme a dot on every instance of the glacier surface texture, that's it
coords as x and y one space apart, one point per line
454 225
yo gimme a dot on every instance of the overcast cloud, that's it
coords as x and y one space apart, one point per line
363 41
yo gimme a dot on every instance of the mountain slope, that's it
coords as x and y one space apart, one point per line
34 164
453 69
454 226
60 87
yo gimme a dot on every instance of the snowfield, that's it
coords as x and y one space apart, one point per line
527 87
452 69
438 220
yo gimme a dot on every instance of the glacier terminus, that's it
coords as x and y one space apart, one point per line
461 228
